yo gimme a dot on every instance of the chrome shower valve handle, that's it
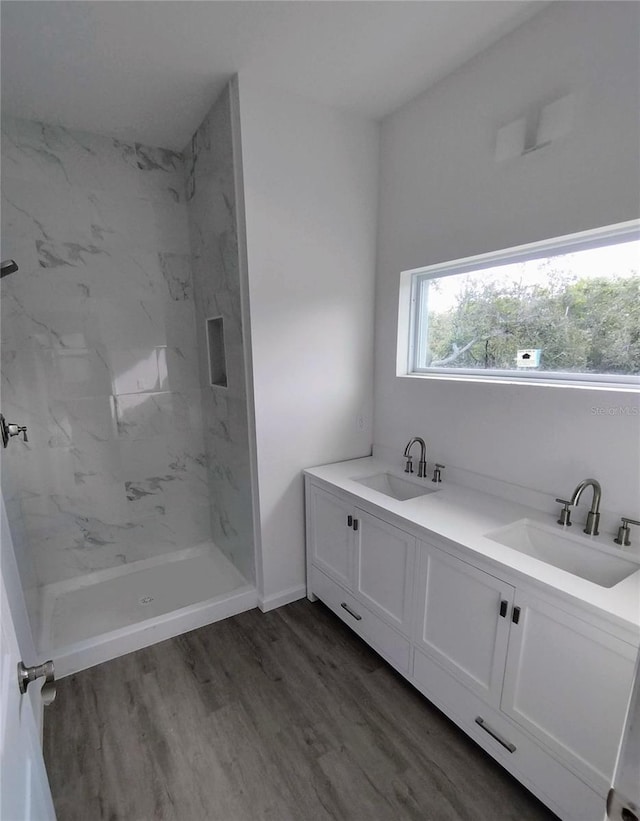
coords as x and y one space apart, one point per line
9 429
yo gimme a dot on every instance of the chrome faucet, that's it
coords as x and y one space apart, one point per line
422 464
593 516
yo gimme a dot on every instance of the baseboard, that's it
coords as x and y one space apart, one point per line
266 603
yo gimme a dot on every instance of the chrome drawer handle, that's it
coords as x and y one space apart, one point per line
506 744
351 612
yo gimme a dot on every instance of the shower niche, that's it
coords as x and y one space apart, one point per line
215 347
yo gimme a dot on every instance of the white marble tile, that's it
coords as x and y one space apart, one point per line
64 289
115 222
33 378
157 534
171 230
59 212
180 329
118 222
210 148
161 173
225 421
147 415
76 373
41 212
139 370
216 283
65 545
114 273
39 151
47 153
99 354
166 495
182 369
22 381
176 271
104 500
134 323
102 305
77 423
180 455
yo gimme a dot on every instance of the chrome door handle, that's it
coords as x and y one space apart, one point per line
28 674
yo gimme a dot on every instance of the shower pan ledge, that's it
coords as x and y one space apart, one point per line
110 613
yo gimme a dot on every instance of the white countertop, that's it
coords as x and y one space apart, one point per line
463 516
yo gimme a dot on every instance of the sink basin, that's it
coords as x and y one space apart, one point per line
395 487
573 553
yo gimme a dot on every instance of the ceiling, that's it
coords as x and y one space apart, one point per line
149 70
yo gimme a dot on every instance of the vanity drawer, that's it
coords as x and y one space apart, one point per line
390 644
537 769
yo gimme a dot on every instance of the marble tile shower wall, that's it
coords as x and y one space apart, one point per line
99 354
211 206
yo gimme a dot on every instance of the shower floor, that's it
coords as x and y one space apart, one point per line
109 613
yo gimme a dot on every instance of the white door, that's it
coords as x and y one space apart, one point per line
385 562
24 788
331 535
464 621
568 683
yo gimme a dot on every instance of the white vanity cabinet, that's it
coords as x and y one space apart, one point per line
330 535
563 680
463 620
366 557
540 682
384 569
567 682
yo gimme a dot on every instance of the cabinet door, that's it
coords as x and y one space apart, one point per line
330 536
385 561
463 621
568 683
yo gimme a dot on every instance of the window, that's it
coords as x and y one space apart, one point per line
560 311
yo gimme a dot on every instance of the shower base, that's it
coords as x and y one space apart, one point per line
108 613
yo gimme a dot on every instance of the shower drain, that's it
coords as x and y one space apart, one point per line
145 600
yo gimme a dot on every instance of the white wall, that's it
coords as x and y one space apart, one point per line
444 197
310 184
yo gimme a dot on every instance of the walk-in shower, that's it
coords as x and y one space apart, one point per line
130 503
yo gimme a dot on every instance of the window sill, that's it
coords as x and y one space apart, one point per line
493 379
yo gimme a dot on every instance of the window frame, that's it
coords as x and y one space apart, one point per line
412 323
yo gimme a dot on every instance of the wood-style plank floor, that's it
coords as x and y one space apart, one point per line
285 716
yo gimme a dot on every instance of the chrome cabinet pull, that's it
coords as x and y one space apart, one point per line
506 744
351 612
